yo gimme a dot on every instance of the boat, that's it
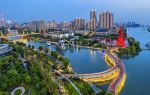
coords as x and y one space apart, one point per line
148 45
48 44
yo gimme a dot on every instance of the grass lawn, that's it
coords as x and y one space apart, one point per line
83 87
70 89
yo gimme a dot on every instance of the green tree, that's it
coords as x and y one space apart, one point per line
40 48
27 79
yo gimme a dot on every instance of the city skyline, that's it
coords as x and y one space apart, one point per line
52 10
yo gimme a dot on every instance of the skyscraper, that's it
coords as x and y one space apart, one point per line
106 20
93 20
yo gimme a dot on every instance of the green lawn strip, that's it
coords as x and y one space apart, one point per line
70 89
83 87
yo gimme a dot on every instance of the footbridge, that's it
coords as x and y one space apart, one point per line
116 73
61 44
117 84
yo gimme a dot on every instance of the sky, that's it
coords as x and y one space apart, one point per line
67 10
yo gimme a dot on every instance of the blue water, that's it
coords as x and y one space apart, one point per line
86 60
82 60
138 68
141 34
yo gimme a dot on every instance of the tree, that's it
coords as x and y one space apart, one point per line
40 48
27 79
13 77
66 63
46 50
32 47
54 54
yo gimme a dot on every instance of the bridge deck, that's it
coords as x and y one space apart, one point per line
115 83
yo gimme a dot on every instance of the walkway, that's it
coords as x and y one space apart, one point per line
93 75
1 53
116 82
96 89
18 88
70 82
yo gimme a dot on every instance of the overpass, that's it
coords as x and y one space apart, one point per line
116 73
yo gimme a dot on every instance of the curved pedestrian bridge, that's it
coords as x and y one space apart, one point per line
116 73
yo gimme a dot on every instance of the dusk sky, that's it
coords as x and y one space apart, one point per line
66 10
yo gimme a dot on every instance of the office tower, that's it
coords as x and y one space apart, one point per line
93 20
79 23
106 20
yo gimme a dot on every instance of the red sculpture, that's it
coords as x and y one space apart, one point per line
121 40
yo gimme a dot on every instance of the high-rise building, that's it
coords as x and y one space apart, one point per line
86 25
32 26
41 26
2 20
79 23
106 20
37 26
92 24
93 15
52 25
93 20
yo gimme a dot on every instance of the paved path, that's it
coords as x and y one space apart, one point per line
113 86
70 82
96 89
6 51
18 88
